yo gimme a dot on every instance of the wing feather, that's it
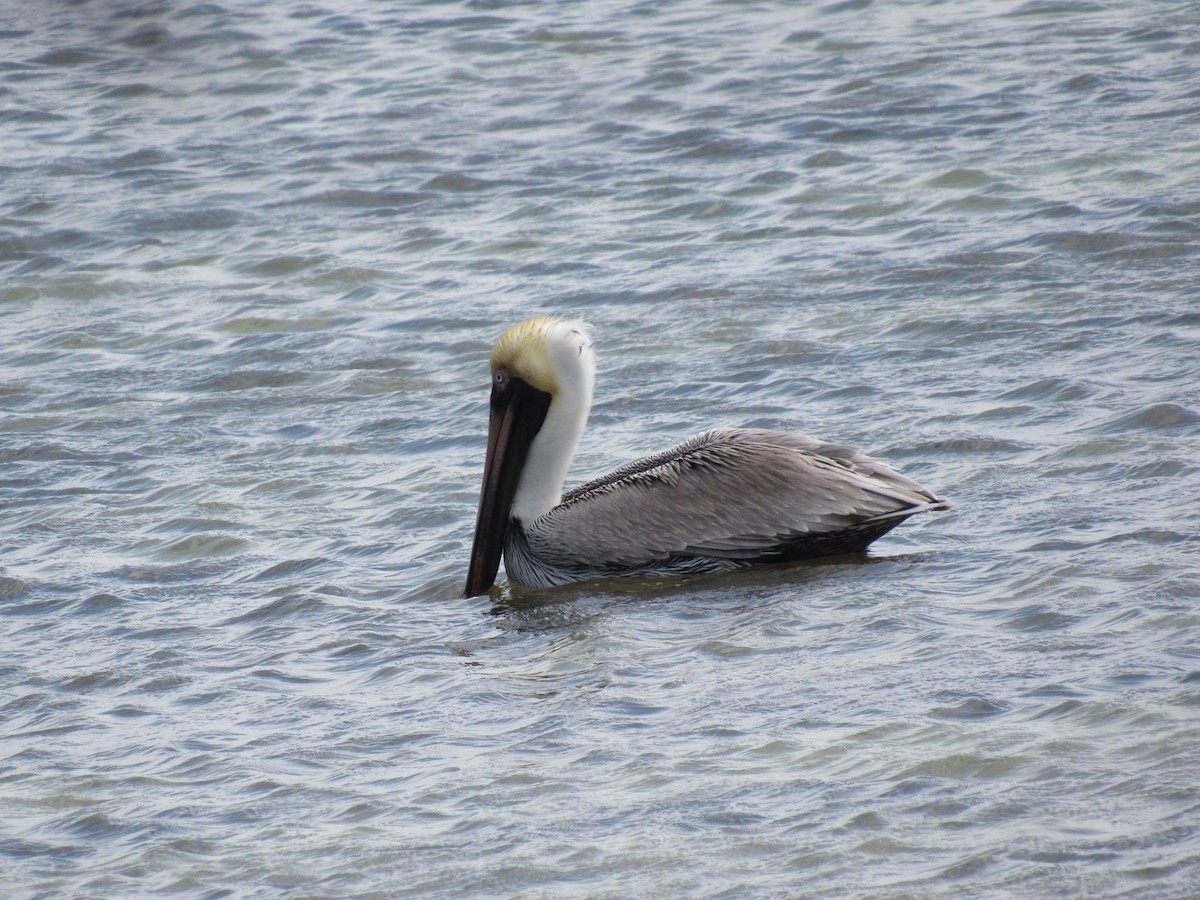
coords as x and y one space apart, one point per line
733 493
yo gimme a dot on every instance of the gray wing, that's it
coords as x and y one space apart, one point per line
733 493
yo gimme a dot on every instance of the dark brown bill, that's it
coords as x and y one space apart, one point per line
517 414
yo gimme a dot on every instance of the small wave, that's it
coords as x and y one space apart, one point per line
362 199
279 609
249 380
185 219
1155 417
100 604
289 567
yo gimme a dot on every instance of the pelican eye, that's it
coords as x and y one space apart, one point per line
502 382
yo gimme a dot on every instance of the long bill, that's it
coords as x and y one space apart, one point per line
517 414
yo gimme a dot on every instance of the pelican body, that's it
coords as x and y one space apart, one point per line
722 500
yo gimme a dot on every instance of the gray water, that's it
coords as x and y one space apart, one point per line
254 257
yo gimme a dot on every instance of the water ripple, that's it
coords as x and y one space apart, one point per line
254 261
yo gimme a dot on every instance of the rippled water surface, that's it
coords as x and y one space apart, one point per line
254 257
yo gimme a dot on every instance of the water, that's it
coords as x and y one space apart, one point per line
254 257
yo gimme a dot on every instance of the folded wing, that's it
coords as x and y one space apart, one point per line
730 493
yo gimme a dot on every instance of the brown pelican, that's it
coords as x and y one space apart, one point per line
724 499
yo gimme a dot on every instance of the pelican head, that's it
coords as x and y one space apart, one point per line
542 375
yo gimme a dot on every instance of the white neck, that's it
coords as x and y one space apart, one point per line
541 485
